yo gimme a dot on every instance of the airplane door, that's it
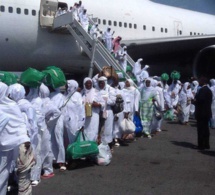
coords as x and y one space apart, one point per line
48 9
178 29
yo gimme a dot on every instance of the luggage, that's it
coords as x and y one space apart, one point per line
8 78
54 77
138 125
104 157
81 147
127 126
118 106
31 78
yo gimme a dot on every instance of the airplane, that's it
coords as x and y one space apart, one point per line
167 38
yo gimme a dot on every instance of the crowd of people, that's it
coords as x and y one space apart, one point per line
38 121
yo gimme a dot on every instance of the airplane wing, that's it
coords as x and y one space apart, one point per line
172 52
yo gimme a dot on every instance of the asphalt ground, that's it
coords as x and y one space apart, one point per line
168 164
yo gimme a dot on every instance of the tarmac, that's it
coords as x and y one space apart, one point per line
167 164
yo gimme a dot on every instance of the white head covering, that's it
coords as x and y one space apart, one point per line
154 83
14 133
85 80
131 82
72 86
44 91
102 78
16 92
212 81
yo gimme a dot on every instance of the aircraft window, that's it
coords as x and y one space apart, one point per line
153 28
99 21
125 25
104 22
109 23
198 33
161 29
135 26
33 12
166 30
191 33
194 33
26 11
120 24
18 10
130 25
10 9
144 27
180 32
115 23
2 8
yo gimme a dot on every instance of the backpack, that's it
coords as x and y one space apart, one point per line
118 106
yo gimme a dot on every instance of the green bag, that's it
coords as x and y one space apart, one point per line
8 78
31 78
80 149
54 77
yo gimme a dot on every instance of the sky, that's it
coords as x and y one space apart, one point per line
205 6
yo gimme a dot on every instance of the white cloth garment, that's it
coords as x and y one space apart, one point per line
137 69
50 112
131 97
91 126
74 111
109 96
13 133
108 39
212 81
185 97
57 128
17 93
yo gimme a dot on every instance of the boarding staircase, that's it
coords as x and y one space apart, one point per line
94 49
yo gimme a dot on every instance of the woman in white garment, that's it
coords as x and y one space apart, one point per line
185 98
17 93
14 144
73 111
212 81
131 97
195 87
148 97
156 123
57 129
51 113
93 100
108 94
36 101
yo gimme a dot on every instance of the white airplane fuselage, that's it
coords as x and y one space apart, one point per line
25 44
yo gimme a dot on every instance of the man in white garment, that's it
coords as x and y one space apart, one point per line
108 35
84 20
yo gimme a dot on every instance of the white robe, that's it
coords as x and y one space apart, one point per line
184 96
109 96
91 126
13 133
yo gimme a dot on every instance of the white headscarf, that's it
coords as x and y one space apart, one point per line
131 82
89 94
16 92
14 133
212 81
44 91
72 86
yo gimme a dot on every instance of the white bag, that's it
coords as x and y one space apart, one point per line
127 126
104 157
